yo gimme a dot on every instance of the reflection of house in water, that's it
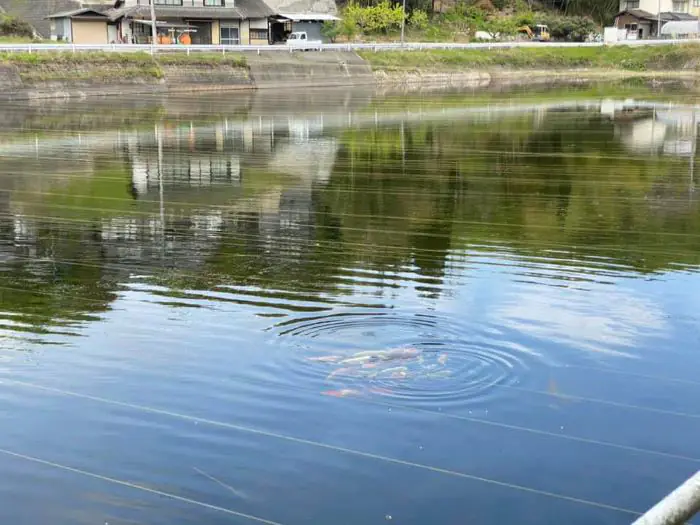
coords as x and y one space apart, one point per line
201 156
192 164
181 241
647 129
668 131
185 157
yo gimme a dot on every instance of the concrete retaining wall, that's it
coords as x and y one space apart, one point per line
269 71
309 69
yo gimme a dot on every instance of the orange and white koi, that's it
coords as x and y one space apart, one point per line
343 392
325 359
357 360
395 372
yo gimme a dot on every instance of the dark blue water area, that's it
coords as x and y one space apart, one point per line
523 418
293 481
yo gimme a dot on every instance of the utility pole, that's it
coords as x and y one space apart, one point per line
154 33
658 21
403 21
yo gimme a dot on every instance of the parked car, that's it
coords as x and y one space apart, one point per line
300 40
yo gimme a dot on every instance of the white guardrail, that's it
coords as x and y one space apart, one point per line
408 46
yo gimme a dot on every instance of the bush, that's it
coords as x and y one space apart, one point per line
330 30
381 17
12 26
418 19
499 26
460 19
571 28
348 27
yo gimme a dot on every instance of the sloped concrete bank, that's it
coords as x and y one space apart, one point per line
310 69
65 75
425 80
80 75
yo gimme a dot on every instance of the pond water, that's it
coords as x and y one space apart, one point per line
348 307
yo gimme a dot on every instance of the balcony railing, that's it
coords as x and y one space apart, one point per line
188 3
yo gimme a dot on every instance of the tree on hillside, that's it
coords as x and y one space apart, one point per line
601 11
12 26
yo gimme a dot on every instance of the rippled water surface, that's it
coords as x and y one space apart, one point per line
349 307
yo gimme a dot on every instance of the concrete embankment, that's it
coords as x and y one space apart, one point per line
76 75
311 69
532 65
67 75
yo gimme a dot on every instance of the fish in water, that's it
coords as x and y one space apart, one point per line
343 392
357 360
386 355
345 371
367 353
395 372
368 357
442 359
325 359
400 353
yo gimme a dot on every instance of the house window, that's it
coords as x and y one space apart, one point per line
258 34
229 36
680 7
696 3
214 3
632 4
167 2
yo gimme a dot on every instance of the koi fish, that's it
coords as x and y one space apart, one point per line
394 372
345 371
442 359
343 392
387 355
359 360
325 359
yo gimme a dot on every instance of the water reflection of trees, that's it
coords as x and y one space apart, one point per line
290 204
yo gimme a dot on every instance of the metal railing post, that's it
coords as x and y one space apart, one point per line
373 46
676 508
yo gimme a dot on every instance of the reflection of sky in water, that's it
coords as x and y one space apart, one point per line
606 320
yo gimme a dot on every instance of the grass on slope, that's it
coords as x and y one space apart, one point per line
633 58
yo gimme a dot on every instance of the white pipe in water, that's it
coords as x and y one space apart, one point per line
676 508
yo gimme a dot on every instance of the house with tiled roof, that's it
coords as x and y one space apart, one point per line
644 18
229 22
226 22
35 12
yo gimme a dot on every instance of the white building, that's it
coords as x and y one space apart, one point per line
640 18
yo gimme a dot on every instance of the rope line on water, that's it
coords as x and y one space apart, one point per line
293 439
135 486
689 382
449 415
506 245
132 213
618 404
